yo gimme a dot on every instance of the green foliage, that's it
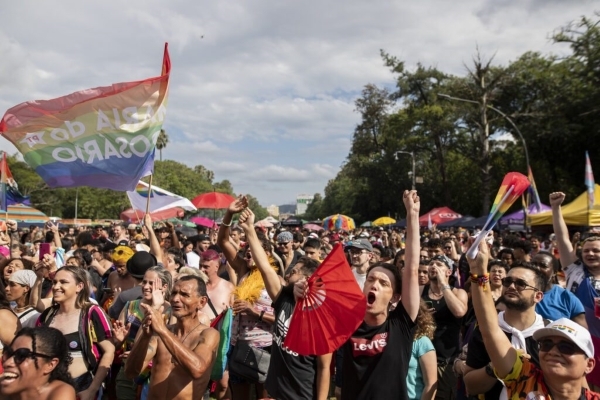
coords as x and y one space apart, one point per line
460 147
161 142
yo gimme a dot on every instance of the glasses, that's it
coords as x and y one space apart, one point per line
564 347
448 248
21 355
283 243
357 252
520 284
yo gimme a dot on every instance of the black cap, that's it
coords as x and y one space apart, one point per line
139 263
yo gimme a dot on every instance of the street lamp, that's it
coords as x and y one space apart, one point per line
412 154
499 112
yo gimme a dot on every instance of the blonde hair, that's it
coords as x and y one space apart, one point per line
185 271
425 322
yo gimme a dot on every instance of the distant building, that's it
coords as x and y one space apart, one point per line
273 210
302 202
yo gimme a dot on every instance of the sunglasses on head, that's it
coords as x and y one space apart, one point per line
20 355
520 284
564 347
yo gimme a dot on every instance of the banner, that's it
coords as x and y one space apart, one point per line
160 199
103 137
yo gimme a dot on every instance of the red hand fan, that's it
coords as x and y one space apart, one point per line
331 311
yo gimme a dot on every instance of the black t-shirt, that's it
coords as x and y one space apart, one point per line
376 359
446 338
290 376
477 357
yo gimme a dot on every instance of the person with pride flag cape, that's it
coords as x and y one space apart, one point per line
290 375
582 276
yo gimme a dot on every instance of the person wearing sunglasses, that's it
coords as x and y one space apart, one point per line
566 351
36 366
519 321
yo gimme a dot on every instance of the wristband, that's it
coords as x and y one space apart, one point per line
227 225
482 280
446 287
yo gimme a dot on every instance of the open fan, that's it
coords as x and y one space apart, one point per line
513 186
331 311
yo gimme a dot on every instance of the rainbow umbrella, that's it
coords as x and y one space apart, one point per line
338 222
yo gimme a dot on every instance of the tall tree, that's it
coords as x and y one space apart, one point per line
161 142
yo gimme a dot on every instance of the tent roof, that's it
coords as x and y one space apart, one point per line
439 215
575 213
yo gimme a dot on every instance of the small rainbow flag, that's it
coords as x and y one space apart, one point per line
513 186
103 137
589 180
533 190
160 199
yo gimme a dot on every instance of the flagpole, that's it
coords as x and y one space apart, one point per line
76 204
4 177
149 194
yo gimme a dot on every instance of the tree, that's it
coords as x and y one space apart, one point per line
161 142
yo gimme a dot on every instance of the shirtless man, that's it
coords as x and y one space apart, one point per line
218 289
183 353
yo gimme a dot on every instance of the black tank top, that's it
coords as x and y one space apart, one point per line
73 341
446 339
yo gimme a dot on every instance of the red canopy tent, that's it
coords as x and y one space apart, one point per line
134 216
438 216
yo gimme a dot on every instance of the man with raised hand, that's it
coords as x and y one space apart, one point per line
290 375
377 355
182 354
566 352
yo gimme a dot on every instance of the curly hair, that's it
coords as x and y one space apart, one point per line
52 342
425 322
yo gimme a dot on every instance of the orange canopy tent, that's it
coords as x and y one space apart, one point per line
438 215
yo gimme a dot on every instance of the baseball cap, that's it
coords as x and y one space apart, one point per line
285 237
362 244
569 330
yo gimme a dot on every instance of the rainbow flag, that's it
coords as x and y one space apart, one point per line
9 191
589 180
533 190
103 137
160 199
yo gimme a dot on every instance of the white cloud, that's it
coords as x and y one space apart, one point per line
261 92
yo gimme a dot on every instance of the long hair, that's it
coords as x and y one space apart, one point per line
83 297
52 342
425 322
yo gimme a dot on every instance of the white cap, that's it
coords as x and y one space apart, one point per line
569 330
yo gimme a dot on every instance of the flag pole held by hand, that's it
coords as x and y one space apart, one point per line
149 194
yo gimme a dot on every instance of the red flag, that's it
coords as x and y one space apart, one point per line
332 310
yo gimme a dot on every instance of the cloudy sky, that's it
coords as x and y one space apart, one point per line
262 92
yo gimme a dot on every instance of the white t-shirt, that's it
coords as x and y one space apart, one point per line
193 259
28 317
360 279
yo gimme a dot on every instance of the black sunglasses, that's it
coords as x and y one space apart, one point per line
21 354
283 243
520 284
566 348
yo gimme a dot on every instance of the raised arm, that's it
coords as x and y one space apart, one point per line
173 232
565 248
411 295
154 243
270 277
142 352
498 347
229 250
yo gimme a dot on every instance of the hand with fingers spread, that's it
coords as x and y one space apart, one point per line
158 297
120 330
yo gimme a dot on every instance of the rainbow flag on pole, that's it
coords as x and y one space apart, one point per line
160 199
589 180
103 137
533 190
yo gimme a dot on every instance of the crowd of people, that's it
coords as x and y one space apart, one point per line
129 312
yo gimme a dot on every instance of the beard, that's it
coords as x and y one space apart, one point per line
519 304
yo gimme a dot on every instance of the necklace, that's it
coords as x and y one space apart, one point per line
173 361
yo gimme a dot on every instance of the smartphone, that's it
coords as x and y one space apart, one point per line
107 290
429 304
44 249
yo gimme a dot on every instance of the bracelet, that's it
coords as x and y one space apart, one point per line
481 280
260 317
446 287
227 225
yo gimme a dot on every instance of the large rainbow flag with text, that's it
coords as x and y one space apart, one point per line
103 137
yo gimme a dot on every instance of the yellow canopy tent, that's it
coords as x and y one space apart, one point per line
576 213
